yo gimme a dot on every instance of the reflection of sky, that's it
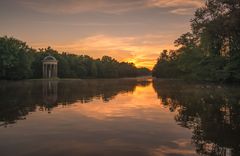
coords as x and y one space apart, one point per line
130 124
130 30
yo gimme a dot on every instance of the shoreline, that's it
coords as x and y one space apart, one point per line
78 79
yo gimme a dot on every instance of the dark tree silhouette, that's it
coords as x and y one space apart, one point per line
211 52
18 61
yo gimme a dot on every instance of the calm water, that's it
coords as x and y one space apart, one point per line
123 117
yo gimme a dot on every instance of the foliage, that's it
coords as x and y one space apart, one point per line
18 61
211 51
15 59
166 66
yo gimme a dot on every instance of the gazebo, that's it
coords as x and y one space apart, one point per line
50 67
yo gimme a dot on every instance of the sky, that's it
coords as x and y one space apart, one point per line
128 30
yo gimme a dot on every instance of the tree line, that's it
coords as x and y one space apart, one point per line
19 61
211 51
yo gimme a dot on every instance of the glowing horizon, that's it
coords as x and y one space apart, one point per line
129 30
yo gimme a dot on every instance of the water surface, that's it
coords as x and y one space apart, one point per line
130 117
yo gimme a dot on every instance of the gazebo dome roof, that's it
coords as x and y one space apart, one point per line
49 58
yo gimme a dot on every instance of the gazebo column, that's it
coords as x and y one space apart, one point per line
56 70
43 70
46 69
49 70
52 71
53 74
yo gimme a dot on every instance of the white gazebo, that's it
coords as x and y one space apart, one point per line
50 67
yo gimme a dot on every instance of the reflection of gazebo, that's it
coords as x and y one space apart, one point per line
50 67
50 93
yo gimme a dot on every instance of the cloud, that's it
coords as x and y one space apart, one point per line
176 3
78 6
141 50
107 6
179 7
183 11
99 24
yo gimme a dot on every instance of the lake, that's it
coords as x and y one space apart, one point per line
119 117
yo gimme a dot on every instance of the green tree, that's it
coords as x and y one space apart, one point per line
15 59
109 67
18 61
211 52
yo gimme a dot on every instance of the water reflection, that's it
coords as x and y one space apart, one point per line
20 98
119 117
50 93
212 112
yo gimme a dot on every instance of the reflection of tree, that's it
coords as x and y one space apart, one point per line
210 111
20 98
85 91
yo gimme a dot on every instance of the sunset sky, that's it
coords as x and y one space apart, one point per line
128 30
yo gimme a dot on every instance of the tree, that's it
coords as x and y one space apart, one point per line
166 66
109 67
143 71
211 52
18 61
15 59
94 70
186 40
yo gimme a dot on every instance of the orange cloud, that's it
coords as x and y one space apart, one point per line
179 7
183 11
176 3
140 50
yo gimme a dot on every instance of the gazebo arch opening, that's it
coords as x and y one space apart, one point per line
50 67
